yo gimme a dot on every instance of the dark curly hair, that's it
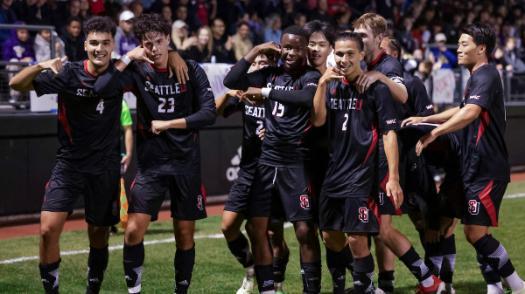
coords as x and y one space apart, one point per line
101 24
150 22
343 36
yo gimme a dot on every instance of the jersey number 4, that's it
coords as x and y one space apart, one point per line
166 105
100 106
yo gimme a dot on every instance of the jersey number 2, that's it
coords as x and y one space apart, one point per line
162 105
345 123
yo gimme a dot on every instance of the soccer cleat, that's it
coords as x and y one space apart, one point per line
446 289
247 285
279 288
429 290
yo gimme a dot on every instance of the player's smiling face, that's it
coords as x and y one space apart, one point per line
99 46
348 57
370 41
318 49
468 51
157 45
294 51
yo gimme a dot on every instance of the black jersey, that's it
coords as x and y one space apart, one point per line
389 66
161 97
356 123
287 110
88 124
253 123
418 103
482 145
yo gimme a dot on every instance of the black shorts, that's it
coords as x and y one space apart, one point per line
482 202
240 190
100 191
451 196
281 192
348 215
188 198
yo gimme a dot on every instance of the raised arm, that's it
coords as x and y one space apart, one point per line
23 81
319 104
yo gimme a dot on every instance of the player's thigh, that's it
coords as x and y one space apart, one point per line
292 188
147 193
101 198
51 224
240 191
187 196
482 202
63 189
260 198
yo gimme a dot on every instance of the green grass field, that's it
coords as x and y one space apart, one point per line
216 271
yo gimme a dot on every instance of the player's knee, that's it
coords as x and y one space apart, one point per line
133 234
229 230
304 232
332 242
473 234
49 232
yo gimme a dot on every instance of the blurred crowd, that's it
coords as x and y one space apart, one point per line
223 31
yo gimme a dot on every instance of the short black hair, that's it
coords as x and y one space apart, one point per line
150 22
482 34
342 36
317 26
101 24
72 19
296 30
394 45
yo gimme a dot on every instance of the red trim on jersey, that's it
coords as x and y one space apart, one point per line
376 60
485 199
86 69
373 145
133 183
62 118
345 82
485 120
160 69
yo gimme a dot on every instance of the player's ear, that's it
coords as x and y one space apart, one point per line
85 45
481 49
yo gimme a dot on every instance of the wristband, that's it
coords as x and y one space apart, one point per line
265 92
125 59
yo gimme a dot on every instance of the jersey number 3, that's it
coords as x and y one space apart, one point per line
166 105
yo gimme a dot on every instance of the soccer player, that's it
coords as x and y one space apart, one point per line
88 159
433 219
382 67
280 174
355 122
170 115
479 125
236 206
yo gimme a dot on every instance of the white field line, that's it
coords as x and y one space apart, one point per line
118 247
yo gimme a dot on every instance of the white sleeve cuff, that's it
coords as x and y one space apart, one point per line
265 92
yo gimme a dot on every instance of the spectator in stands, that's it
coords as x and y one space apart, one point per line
300 19
272 32
32 11
201 52
288 12
125 40
167 13
241 40
85 11
158 5
137 8
205 11
441 56
42 46
222 43
7 16
512 58
17 48
321 13
73 40
180 36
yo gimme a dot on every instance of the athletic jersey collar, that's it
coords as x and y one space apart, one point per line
376 60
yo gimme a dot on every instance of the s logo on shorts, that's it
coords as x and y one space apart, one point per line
363 214
304 202
199 202
473 207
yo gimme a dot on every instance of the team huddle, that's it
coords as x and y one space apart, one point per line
337 139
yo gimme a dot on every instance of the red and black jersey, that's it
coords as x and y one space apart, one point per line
287 109
389 66
418 103
88 124
356 123
161 97
483 151
253 122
